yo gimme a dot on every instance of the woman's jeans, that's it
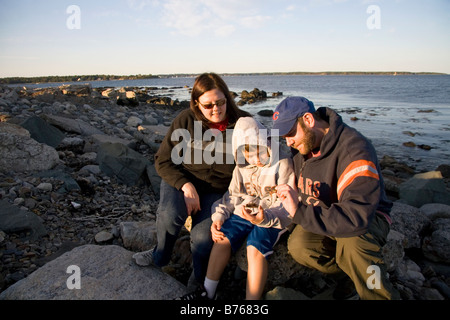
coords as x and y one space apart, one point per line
171 216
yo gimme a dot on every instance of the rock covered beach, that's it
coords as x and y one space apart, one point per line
78 187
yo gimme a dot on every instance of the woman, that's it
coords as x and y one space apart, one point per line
189 187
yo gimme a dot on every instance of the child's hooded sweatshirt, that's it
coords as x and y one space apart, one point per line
253 184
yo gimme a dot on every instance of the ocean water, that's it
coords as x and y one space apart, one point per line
389 110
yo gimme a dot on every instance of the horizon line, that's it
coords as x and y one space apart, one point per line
141 76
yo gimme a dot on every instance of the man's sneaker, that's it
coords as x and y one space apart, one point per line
199 294
345 290
144 258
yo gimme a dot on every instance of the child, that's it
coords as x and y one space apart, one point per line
249 209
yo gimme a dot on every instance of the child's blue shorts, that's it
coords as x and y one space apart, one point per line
236 229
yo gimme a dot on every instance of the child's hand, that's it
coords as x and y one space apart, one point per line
289 198
253 218
217 235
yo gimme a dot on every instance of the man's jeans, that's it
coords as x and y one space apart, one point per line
171 216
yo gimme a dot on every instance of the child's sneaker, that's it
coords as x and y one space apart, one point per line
199 294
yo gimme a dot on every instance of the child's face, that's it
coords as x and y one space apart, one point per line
256 155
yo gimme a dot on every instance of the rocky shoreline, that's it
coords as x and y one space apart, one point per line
76 169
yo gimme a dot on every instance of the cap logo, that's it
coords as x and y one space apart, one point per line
275 116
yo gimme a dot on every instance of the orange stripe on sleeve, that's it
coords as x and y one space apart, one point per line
359 168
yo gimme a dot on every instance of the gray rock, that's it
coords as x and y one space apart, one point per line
409 271
103 236
106 273
19 152
422 188
127 98
72 125
410 222
436 210
69 183
138 236
437 246
134 121
393 251
45 186
90 169
116 159
13 219
71 143
76 89
43 132
94 141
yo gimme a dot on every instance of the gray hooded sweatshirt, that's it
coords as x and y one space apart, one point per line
253 184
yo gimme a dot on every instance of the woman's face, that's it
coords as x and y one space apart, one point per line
213 105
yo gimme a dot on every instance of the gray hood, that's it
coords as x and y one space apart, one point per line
249 131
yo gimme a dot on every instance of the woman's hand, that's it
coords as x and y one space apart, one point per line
289 198
217 235
253 218
191 198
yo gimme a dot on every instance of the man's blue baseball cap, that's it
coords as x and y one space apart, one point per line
288 111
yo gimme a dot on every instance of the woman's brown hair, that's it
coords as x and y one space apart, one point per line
210 81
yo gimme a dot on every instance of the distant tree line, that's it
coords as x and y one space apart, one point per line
337 73
98 77
95 77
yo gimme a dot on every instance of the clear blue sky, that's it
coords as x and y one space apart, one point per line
226 36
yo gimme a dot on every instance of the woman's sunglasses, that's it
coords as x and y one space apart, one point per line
218 103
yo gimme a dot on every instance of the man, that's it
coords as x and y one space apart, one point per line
343 215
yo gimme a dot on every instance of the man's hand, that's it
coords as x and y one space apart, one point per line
191 198
289 198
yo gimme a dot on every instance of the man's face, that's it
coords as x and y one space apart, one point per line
301 138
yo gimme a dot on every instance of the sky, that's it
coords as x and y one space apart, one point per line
128 37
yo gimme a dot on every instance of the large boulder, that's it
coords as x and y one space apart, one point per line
436 247
19 152
43 132
105 273
79 90
423 188
129 166
410 222
71 125
94 141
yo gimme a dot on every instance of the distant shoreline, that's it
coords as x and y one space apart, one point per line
84 78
